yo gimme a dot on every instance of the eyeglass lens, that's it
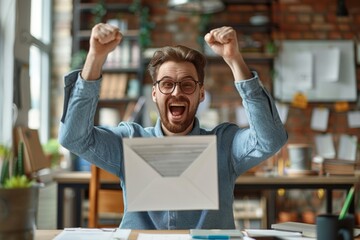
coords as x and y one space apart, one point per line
186 86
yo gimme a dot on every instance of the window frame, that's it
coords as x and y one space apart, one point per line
45 47
7 39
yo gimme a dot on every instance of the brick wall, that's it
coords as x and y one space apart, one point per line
316 20
292 20
172 27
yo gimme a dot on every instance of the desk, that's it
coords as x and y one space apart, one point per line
328 183
50 234
79 181
46 234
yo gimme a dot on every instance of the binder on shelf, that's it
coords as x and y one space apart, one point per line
125 55
113 86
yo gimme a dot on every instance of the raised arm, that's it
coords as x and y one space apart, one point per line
104 38
266 134
223 41
77 133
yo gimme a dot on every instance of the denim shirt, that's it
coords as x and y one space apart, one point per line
238 149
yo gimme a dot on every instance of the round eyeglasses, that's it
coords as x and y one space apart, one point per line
187 86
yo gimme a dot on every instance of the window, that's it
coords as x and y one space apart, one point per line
39 67
7 39
28 47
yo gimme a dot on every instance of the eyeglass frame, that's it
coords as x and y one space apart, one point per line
175 84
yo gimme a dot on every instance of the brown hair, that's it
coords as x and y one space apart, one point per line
178 54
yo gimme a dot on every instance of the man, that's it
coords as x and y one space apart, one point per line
178 75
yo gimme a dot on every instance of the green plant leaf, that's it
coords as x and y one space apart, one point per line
19 167
78 59
4 171
18 182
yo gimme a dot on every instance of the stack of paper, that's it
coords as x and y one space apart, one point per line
307 230
148 236
94 234
271 233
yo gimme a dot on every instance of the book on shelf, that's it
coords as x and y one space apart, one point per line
125 55
113 86
339 167
135 54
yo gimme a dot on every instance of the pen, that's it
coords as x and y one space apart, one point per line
211 237
347 202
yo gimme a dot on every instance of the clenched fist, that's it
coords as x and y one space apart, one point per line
104 38
223 41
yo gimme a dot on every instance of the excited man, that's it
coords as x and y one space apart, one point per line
178 88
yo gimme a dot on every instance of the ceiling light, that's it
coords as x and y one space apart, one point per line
197 6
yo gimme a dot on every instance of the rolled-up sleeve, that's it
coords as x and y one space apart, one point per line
80 102
89 89
266 133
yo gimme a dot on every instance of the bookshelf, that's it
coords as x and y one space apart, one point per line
250 212
253 21
123 69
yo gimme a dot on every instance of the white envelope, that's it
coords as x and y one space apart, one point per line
171 173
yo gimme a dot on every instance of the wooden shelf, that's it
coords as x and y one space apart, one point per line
248 57
246 28
123 7
125 69
123 65
85 34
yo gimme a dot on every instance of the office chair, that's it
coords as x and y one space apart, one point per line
106 206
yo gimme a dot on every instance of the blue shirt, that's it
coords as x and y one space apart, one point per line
239 149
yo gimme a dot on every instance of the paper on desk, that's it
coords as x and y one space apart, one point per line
147 236
93 234
305 228
233 233
270 233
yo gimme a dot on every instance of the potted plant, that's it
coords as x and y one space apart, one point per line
18 197
52 152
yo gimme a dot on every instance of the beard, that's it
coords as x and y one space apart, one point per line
182 126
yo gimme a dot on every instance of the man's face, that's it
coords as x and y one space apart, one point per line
177 110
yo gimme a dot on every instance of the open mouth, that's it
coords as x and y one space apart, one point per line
177 109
